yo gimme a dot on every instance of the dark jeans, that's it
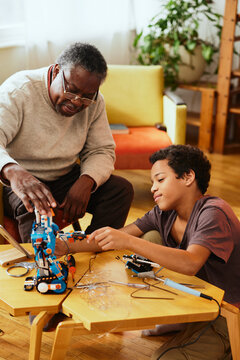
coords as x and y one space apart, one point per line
109 204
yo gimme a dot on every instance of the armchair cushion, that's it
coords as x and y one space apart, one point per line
134 96
134 149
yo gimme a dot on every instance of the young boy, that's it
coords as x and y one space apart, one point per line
200 236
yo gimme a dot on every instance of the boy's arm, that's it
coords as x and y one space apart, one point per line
61 248
132 229
187 262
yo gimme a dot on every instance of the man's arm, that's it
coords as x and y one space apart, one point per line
96 161
98 155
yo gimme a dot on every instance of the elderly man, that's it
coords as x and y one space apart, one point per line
50 118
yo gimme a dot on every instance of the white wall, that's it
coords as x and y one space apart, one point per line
13 59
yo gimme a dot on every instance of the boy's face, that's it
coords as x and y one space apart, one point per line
168 191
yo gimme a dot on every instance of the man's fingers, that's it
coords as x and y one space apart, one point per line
72 211
26 202
36 198
50 199
33 193
40 201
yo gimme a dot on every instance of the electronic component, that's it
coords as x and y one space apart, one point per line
52 274
138 263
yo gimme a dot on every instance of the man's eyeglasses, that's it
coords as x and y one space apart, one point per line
76 98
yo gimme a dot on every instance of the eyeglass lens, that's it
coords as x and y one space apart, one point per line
76 98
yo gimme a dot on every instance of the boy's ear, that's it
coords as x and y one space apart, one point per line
189 177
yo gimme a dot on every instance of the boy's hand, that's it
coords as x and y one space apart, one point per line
108 238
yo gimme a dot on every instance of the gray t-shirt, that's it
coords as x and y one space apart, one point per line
214 225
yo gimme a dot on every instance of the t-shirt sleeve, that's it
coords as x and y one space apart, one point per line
150 221
213 231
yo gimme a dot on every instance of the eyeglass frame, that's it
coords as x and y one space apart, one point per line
74 97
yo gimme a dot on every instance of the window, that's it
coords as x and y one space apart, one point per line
11 23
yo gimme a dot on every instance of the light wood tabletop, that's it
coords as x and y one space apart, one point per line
107 307
18 302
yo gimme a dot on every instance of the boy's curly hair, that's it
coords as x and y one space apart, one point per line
182 159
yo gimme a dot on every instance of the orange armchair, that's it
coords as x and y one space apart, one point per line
134 96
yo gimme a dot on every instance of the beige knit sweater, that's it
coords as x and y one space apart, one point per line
46 143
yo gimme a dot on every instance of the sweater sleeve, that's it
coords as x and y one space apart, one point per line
98 154
10 122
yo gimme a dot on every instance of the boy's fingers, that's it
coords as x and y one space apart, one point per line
95 235
90 237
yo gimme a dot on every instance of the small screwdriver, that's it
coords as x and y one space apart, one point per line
71 265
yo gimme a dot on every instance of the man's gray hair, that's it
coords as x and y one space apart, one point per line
85 55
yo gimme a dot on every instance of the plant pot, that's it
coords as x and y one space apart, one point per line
195 65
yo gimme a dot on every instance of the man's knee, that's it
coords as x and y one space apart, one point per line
174 354
123 185
119 188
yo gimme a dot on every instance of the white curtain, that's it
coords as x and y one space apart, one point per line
52 25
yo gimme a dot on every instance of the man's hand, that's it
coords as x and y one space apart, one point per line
76 201
30 190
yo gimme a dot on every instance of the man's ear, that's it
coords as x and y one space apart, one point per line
189 177
55 71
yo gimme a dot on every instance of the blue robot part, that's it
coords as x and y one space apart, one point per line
52 274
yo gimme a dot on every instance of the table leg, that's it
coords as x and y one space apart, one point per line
232 315
62 339
36 334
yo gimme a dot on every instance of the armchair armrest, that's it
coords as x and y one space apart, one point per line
175 117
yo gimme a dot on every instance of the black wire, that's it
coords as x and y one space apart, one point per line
89 269
198 337
160 288
150 297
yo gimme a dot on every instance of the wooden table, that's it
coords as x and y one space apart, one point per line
18 302
112 309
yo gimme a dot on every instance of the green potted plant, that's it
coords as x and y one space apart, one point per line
176 30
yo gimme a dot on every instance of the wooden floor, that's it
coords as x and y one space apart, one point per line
14 342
